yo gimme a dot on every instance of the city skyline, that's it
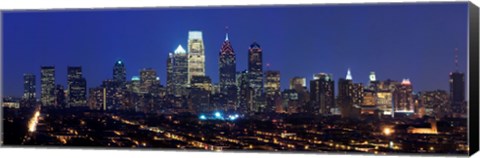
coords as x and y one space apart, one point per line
360 71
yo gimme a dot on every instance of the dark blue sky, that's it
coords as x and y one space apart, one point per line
415 41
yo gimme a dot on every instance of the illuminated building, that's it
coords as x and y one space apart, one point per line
350 96
134 85
227 65
180 70
227 73
403 97
199 96
148 79
373 83
113 94
97 98
203 82
196 55
322 93
435 102
422 130
385 102
119 72
10 102
369 102
29 88
388 85
291 101
47 82
170 85
272 82
272 91
255 73
245 92
77 87
457 93
299 85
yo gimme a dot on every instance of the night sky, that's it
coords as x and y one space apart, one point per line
415 41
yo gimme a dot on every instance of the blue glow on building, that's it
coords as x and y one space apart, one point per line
135 78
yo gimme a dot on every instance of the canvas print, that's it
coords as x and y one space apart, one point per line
355 78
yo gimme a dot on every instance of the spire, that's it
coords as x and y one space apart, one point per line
349 75
179 49
456 59
226 33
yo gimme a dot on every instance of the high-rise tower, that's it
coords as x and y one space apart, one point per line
180 71
255 74
196 55
227 65
47 82
119 72
322 93
29 90
77 87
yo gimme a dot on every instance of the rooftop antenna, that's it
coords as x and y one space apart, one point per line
226 33
456 59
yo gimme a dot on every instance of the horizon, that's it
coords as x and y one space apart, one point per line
118 35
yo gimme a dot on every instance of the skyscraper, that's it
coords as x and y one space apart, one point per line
227 73
170 86
245 92
298 83
77 87
403 97
201 87
47 82
255 74
322 93
180 78
119 72
272 83
196 55
29 90
148 78
272 91
457 92
227 65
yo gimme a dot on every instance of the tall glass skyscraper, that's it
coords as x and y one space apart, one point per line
119 72
180 71
29 90
255 73
47 82
457 92
227 65
322 93
196 55
403 97
77 87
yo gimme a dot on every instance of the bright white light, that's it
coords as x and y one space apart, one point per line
32 124
218 114
180 50
203 117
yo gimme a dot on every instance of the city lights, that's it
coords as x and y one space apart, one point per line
387 131
247 108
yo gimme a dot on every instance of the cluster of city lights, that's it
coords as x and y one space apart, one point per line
32 124
219 116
